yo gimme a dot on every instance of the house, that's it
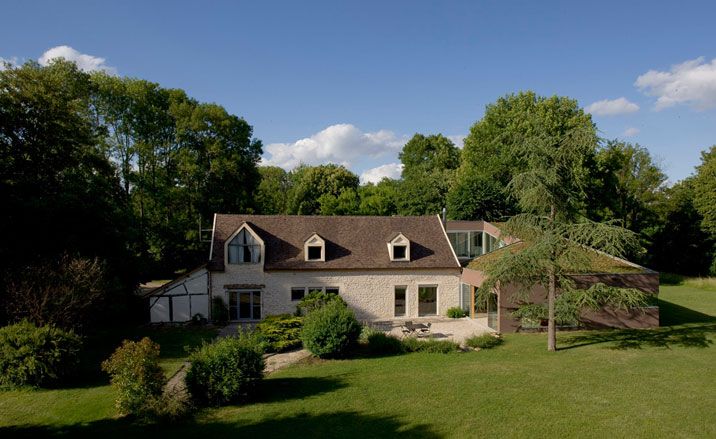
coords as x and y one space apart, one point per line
383 267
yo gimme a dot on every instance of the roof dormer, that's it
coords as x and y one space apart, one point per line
314 248
399 248
244 246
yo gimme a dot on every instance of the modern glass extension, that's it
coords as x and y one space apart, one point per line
471 244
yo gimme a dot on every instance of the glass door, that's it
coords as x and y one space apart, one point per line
427 300
245 305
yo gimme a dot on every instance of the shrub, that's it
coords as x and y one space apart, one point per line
316 299
380 343
456 312
219 312
66 293
135 374
484 341
281 332
226 370
411 344
36 355
168 407
530 315
329 331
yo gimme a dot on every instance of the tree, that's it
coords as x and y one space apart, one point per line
680 244
272 193
494 149
556 237
429 163
309 184
379 199
59 192
473 196
705 190
628 185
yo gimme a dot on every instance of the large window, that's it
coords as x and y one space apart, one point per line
472 244
466 297
427 300
244 249
400 301
245 305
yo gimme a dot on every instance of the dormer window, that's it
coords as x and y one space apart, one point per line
244 248
399 248
314 248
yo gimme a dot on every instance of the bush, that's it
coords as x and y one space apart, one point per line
456 312
36 356
411 344
66 293
329 331
226 370
530 315
380 343
134 371
316 299
281 332
484 341
219 312
168 407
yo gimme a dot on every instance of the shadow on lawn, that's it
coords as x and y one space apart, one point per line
680 326
282 389
337 424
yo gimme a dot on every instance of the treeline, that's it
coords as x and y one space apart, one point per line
677 224
118 174
110 173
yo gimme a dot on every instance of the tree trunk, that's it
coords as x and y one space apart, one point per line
551 329
551 293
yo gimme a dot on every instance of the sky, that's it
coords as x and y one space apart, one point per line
351 82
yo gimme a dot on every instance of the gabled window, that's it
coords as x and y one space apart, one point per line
244 248
399 248
314 248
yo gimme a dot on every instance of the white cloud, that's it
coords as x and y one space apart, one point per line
692 82
458 140
87 63
631 132
13 62
375 175
612 107
341 143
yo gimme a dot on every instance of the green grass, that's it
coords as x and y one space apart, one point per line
638 383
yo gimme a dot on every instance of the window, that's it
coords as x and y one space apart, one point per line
399 248
244 305
314 248
314 253
399 251
400 301
298 293
244 248
332 290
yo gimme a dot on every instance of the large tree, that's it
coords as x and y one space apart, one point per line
316 189
494 149
59 192
272 193
556 237
429 164
705 190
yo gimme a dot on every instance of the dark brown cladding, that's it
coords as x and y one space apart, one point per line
352 242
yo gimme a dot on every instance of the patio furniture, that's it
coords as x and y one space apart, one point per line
407 328
425 329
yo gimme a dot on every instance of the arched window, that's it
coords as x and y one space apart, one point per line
244 249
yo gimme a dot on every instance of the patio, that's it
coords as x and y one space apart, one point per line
444 328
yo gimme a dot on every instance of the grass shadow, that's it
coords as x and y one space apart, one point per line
671 314
281 389
337 424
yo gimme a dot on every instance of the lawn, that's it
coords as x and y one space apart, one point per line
649 383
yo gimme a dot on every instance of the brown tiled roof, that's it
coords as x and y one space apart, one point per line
352 242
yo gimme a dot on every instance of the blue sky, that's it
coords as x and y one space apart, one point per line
349 82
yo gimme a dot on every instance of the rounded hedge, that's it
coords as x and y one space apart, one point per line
226 370
456 312
36 355
331 330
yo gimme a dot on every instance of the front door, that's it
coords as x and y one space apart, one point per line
245 305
